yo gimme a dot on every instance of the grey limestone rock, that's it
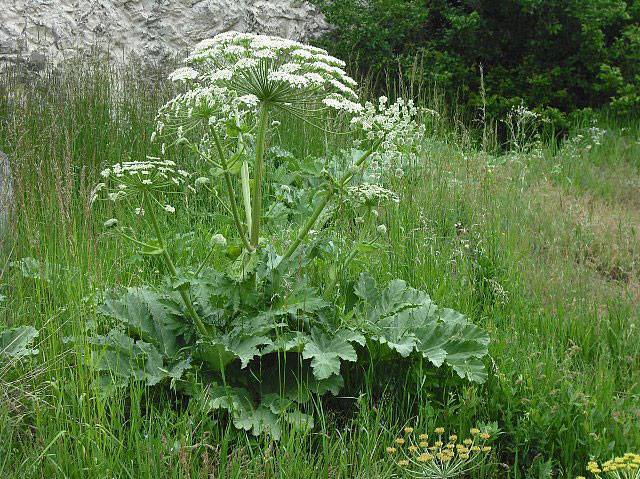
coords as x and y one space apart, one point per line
154 30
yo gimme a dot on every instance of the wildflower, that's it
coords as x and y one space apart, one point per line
202 180
439 430
139 211
288 74
110 223
218 240
425 457
403 462
423 444
183 74
484 436
382 229
453 438
474 431
467 442
399 441
424 437
391 450
412 448
371 194
407 430
486 449
169 209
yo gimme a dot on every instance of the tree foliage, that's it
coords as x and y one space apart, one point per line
561 54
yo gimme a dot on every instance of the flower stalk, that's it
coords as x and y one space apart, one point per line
171 266
329 194
232 194
258 173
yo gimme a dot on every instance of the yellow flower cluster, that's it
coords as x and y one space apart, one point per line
423 458
622 467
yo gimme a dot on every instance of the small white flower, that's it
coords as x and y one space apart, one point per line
203 180
183 74
381 229
218 240
169 209
140 211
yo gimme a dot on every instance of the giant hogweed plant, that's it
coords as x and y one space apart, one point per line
257 339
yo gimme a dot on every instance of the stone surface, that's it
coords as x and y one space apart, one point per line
155 30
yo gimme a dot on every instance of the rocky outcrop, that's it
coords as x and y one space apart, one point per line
32 31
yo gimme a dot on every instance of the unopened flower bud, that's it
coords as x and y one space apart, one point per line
218 240
110 223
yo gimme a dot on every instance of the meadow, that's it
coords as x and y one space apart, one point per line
535 240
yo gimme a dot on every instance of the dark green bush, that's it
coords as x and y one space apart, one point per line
559 54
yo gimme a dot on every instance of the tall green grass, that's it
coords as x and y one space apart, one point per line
542 249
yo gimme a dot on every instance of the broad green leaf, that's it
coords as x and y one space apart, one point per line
287 342
244 266
332 384
259 421
366 288
300 421
148 315
121 358
219 352
471 368
245 416
16 342
326 352
406 320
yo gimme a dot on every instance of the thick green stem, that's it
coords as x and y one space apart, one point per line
171 266
329 194
258 171
246 192
230 191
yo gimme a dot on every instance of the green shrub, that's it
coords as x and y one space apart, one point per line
548 53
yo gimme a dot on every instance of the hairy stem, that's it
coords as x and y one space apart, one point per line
246 192
258 172
230 191
171 266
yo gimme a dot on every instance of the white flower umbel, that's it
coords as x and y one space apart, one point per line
134 176
395 125
368 194
283 73
234 82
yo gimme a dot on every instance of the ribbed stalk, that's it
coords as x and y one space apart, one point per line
258 173
172 268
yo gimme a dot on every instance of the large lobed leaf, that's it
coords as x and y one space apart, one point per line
16 342
407 321
119 359
151 316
